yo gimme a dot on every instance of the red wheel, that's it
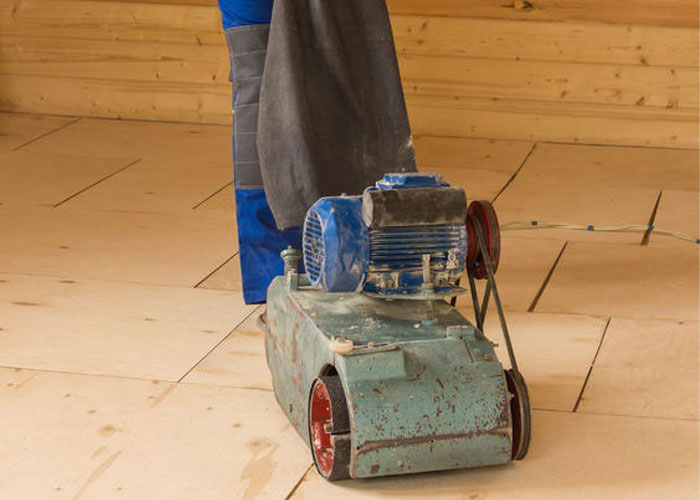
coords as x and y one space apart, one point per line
329 428
483 212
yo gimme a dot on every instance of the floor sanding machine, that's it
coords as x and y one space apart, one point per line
370 360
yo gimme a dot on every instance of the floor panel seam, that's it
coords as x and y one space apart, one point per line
298 483
218 343
652 218
97 182
200 282
590 368
212 195
45 134
515 174
547 278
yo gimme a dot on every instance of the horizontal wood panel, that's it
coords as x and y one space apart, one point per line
177 102
590 43
677 13
200 3
589 124
422 75
109 20
552 78
485 38
139 61
562 82
463 117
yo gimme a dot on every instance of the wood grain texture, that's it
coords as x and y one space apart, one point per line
422 74
86 437
486 38
176 102
596 278
109 59
159 332
625 379
112 20
546 41
566 82
470 69
556 122
668 13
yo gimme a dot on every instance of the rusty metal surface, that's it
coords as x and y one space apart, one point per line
421 396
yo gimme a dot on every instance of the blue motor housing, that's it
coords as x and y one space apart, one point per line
377 242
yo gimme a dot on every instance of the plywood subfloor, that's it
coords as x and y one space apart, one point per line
523 268
627 379
609 166
155 186
108 328
27 177
106 437
130 367
239 361
630 281
678 211
554 350
164 249
18 130
596 186
165 142
227 277
565 203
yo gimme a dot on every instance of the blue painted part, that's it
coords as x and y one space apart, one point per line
591 228
260 243
396 251
336 244
245 12
341 253
401 180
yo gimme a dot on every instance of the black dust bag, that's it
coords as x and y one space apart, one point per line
332 117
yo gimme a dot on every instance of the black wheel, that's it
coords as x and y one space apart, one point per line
520 415
329 428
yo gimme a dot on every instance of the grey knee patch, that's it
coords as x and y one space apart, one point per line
247 47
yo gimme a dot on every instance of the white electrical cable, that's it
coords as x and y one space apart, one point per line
632 228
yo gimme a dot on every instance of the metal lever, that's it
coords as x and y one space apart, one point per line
291 257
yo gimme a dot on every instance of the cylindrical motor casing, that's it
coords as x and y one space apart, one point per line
377 242
336 244
423 206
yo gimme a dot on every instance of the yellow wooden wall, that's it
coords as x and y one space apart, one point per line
591 71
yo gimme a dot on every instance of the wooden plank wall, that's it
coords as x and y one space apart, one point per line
591 71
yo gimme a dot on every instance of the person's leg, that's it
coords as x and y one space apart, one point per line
246 25
245 12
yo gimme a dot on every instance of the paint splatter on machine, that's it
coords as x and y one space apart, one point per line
373 366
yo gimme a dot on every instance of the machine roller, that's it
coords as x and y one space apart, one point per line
370 360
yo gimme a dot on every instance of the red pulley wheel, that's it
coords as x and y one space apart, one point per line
483 213
329 428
